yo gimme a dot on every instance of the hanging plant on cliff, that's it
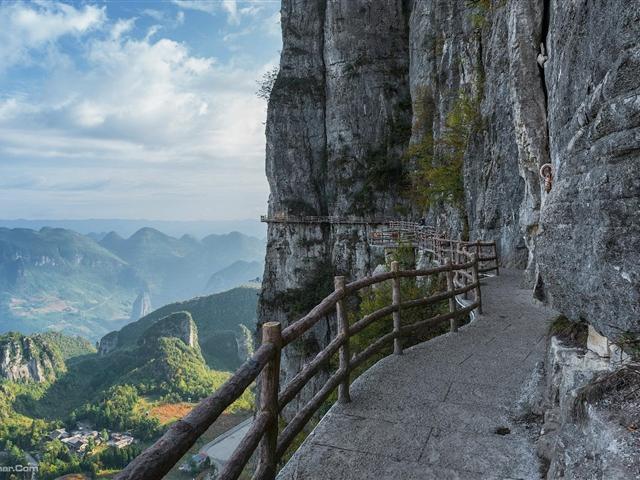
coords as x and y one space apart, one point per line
438 175
266 83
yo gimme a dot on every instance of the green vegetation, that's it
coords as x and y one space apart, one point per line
377 297
220 319
117 458
37 349
438 177
118 410
573 333
58 460
68 346
167 370
213 313
117 392
266 83
151 368
177 372
479 12
299 301
21 430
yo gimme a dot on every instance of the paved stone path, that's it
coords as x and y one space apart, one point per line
433 412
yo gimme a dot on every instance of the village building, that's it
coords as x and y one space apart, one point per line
120 440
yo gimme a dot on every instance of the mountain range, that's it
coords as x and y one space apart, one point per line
99 227
180 351
58 279
225 322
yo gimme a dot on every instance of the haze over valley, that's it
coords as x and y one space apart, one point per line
57 279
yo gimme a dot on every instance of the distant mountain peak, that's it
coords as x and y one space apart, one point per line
145 232
111 236
141 306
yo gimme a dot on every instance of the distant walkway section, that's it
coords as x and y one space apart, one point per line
333 220
444 409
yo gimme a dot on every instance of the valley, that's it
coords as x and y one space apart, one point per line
111 402
57 279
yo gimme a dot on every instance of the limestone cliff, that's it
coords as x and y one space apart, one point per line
108 343
141 306
28 359
177 325
368 90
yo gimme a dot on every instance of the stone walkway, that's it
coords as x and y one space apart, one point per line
433 413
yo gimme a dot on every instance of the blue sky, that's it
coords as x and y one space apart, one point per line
134 109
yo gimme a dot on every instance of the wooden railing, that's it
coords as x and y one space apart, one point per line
461 268
397 233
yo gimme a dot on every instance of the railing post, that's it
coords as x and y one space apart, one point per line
476 281
343 329
495 255
452 301
269 381
395 298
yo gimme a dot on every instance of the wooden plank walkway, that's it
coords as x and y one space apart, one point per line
433 413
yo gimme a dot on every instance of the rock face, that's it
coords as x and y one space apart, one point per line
339 119
178 325
28 359
108 343
590 227
596 438
141 306
363 85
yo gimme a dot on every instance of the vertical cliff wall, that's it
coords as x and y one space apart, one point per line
339 119
590 221
367 87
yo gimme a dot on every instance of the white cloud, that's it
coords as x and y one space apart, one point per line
136 114
234 14
231 7
88 114
164 18
199 5
121 27
148 93
24 27
157 15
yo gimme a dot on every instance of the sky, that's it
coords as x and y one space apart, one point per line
134 109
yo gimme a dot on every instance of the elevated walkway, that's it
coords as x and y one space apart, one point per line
445 409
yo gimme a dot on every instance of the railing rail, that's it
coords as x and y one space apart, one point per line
397 233
457 264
